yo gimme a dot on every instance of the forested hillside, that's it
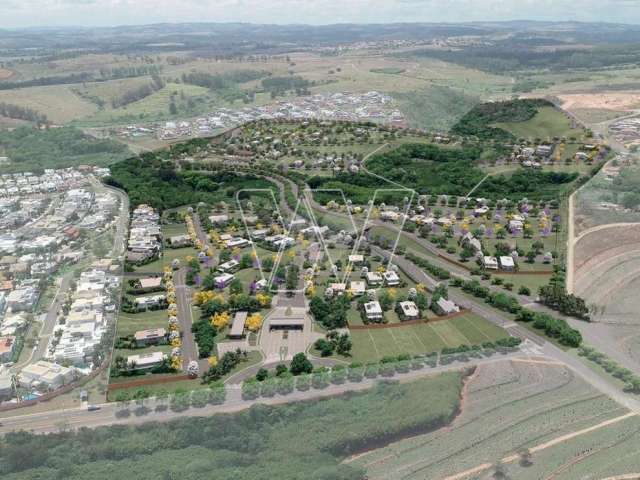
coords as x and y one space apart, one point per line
478 122
153 180
32 149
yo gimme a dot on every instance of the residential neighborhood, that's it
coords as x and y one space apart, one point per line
60 274
345 106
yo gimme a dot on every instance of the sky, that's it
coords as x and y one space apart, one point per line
26 13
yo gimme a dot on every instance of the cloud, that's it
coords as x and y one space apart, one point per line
16 13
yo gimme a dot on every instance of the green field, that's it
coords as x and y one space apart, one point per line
156 106
532 282
373 344
130 323
549 122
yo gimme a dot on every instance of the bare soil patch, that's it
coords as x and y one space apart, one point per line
5 74
620 101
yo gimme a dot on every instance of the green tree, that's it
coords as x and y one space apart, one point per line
300 364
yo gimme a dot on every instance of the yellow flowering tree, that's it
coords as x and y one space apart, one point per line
220 320
264 299
254 322
176 363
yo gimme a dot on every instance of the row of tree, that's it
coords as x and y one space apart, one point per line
22 113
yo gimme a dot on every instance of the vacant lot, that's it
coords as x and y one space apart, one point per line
374 344
57 102
620 101
507 406
547 123
130 323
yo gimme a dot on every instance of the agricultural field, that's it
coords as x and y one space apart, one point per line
507 407
57 102
191 100
370 345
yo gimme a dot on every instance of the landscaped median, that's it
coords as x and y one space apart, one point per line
302 376
283 381
613 368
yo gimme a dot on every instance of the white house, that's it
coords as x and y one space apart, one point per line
47 374
357 288
507 263
356 259
230 266
408 310
374 279
338 288
490 263
219 219
515 225
373 311
237 242
446 307
146 361
223 280
391 278
389 215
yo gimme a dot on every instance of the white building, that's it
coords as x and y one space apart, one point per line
391 278
373 310
409 310
507 263
374 279
146 361
490 263
46 374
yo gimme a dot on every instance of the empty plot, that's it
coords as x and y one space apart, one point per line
130 323
373 344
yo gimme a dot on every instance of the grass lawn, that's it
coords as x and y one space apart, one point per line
547 123
173 229
129 323
532 282
373 344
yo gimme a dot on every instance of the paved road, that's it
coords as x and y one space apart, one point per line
185 317
549 349
52 421
202 235
49 323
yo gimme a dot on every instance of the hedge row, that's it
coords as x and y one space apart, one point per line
387 367
439 273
